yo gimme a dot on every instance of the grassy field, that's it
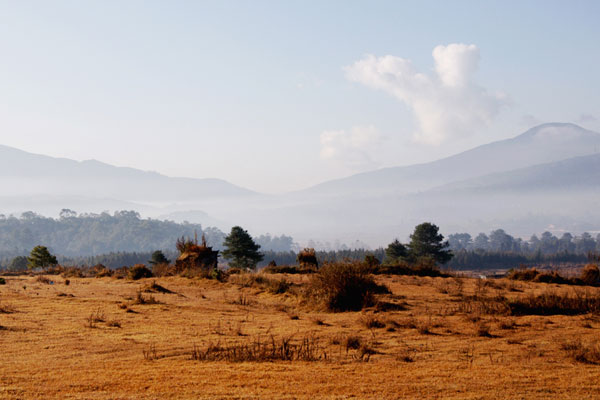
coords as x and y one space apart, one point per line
107 338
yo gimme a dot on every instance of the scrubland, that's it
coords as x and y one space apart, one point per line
257 336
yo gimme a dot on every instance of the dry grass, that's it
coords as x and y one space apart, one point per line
455 343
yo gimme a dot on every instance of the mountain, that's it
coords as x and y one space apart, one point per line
541 144
573 174
27 174
545 178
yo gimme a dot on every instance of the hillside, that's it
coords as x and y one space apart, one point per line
25 174
541 144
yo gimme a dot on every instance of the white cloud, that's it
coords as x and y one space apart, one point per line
354 149
446 103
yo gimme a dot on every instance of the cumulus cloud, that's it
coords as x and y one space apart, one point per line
355 149
446 103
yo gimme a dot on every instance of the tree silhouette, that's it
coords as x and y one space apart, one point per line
241 249
427 242
40 257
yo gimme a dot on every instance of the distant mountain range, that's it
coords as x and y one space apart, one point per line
545 178
34 174
541 144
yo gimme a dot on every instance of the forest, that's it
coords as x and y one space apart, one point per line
124 238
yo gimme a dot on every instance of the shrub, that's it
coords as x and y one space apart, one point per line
423 267
344 287
587 354
2 281
307 349
307 258
286 269
139 271
590 275
551 303
163 269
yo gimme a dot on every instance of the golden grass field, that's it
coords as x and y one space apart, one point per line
88 340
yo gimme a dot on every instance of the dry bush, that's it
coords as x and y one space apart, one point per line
284 349
141 299
590 275
423 267
344 287
95 317
6 309
553 303
156 288
139 271
276 286
44 280
150 353
286 269
163 269
370 321
482 330
583 353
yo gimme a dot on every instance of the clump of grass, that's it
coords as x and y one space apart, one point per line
370 321
150 353
141 299
156 288
352 342
507 324
344 287
582 353
113 324
482 330
553 303
278 286
6 309
44 280
95 317
257 350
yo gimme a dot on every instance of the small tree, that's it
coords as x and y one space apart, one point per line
395 252
426 242
158 258
40 257
18 263
241 249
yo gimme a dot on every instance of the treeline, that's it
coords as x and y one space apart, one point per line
498 241
113 236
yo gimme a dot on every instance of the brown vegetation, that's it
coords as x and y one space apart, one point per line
447 337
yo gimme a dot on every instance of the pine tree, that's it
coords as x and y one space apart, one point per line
395 252
40 257
427 242
241 249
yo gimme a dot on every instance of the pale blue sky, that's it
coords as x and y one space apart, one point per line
256 92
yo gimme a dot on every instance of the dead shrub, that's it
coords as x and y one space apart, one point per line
139 271
590 275
156 288
257 350
582 353
44 280
370 321
553 303
344 287
163 269
141 299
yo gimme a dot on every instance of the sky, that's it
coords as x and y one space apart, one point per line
278 96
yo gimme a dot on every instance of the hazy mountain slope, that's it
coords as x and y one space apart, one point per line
578 173
541 144
24 174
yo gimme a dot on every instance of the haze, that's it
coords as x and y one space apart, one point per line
279 96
